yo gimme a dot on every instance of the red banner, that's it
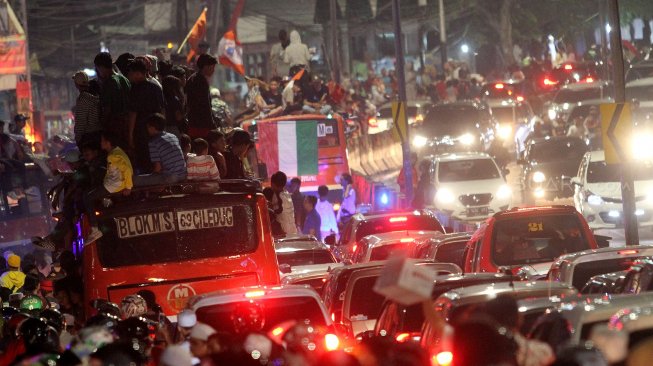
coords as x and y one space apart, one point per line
12 55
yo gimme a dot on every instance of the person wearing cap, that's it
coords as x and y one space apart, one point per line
87 110
220 109
236 152
114 97
186 320
145 99
17 128
199 340
13 279
200 116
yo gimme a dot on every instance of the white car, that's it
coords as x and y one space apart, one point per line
469 186
597 192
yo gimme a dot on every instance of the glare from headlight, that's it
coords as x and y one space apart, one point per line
419 141
538 177
641 148
594 200
443 195
504 131
466 139
504 192
552 114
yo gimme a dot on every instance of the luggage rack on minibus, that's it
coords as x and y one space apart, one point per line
187 187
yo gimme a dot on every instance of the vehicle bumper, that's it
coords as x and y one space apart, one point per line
610 215
458 211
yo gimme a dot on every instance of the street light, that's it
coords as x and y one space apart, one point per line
464 48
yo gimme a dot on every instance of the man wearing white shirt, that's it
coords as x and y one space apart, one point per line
328 217
348 205
282 200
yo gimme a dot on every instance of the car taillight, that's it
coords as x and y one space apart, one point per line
373 122
406 240
520 98
401 337
568 67
499 86
589 79
398 219
255 293
276 331
333 317
549 82
442 359
627 252
331 342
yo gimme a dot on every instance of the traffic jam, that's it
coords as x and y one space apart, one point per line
462 210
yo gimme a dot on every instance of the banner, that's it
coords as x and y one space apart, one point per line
12 55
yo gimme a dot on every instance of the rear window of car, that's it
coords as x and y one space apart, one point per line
386 251
397 223
305 257
451 253
536 239
365 303
170 235
583 272
275 311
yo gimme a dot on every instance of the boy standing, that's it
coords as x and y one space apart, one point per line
312 224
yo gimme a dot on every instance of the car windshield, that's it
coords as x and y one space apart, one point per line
641 93
365 303
575 96
536 239
553 150
601 172
175 235
385 251
510 113
275 311
452 121
411 111
397 223
305 257
464 170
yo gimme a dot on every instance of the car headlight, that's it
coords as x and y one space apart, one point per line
504 131
504 192
419 141
538 177
444 195
466 139
641 148
552 114
594 200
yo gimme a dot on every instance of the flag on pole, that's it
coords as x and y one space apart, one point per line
289 146
196 35
299 74
230 53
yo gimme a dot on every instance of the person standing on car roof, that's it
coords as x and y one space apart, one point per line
198 95
282 200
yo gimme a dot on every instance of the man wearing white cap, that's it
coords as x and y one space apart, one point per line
199 337
186 320
176 355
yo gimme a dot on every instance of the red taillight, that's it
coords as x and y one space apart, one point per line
627 252
442 359
589 79
569 67
499 86
520 98
549 82
401 337
373 122
398 219
406 240
333 317
255 293
276 331
331 342
355 247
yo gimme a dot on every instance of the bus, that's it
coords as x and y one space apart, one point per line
331 150
179 241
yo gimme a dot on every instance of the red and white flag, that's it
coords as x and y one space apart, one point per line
230 53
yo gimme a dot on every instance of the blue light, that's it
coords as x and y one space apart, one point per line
384 199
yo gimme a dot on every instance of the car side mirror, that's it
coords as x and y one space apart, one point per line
285 268
576 181
330 240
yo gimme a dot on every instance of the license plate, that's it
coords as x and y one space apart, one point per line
477 211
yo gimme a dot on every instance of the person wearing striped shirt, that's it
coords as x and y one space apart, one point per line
166 156
202 166
87 110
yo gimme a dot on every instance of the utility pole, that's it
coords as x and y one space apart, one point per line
603 49
627 182
335 62
401 84
215 21
443 35
28 71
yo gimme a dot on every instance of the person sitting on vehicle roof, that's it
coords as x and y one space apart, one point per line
168 163
316 97
117 180
202 166
237 150
217 148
